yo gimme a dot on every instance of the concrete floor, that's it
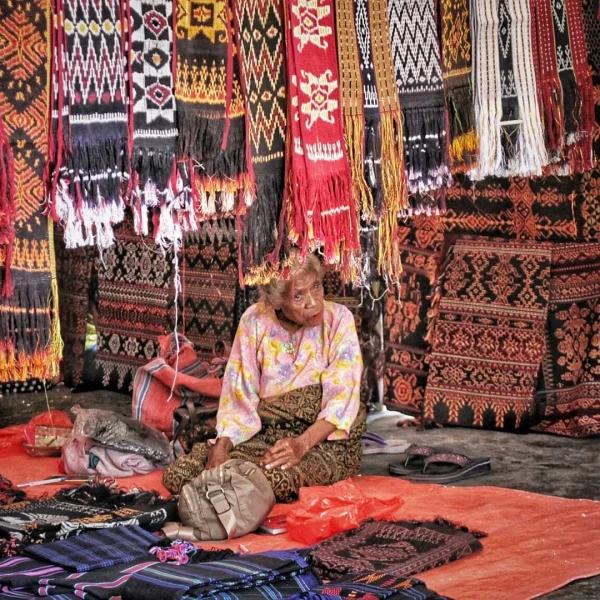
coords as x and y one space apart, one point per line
538 463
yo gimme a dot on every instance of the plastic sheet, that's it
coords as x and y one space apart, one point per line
122 433
325 510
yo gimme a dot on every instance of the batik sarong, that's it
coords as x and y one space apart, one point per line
289 415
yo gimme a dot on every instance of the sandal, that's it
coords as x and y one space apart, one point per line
449 467
415 460
373 443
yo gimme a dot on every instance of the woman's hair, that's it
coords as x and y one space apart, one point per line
275 292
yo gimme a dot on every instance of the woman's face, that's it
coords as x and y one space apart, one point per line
304 302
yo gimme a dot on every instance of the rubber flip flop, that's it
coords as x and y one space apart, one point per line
414 461
449 467
391 446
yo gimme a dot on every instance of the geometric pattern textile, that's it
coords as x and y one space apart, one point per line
487 340
30 343
400 549
260 27
568 399
406 319
415 48
134 294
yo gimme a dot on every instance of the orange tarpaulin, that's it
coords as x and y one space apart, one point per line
535 543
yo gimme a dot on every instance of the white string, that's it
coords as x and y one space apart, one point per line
47 403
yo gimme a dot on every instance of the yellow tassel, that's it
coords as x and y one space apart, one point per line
354 133
56 343
462 146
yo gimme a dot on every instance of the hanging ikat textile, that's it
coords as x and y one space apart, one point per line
8 208
261 39
417 63
509 123
89 153
30 344
457 54
210 109
322 210
154 121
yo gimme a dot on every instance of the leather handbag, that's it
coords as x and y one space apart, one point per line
228 501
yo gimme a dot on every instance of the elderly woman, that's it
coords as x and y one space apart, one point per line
291 392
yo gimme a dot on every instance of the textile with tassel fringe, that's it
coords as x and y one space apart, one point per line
8 207
456 66
30 344
210 108
323 210
261 45
89 152
391 134
417 63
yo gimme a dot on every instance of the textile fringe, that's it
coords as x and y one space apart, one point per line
464 141
155 166
424 135
354 134
8 208
56 343
29 341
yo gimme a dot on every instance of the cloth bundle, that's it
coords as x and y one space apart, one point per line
110 444
321 206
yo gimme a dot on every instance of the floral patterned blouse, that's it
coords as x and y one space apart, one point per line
266 361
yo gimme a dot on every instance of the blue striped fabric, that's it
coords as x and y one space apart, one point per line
206 580
96 550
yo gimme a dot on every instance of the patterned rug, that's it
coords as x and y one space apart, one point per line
405 318
30 343
209 273
401 548
487 341
76 271
568 398
134 292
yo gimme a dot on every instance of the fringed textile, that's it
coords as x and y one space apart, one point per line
508 116
393 185
210 111
322 207
8 208
154 118
417 62
89 153
351 92
456 66
30 344
261 39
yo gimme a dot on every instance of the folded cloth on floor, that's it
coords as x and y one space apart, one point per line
401 548
372 586
97 549
163 581
24 573
84 455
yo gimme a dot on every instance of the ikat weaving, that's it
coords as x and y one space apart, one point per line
321 207
416 54
89 153
30 344
487 339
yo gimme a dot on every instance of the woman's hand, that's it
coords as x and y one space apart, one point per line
219 453
286 453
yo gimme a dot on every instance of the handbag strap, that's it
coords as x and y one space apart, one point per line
216 496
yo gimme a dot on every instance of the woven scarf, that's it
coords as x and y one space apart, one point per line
456 66
391 134
508 116
322 211
154 116
591 22
210 110
8 208
261 40
417 62
89 153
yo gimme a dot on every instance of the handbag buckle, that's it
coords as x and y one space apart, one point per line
213 491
